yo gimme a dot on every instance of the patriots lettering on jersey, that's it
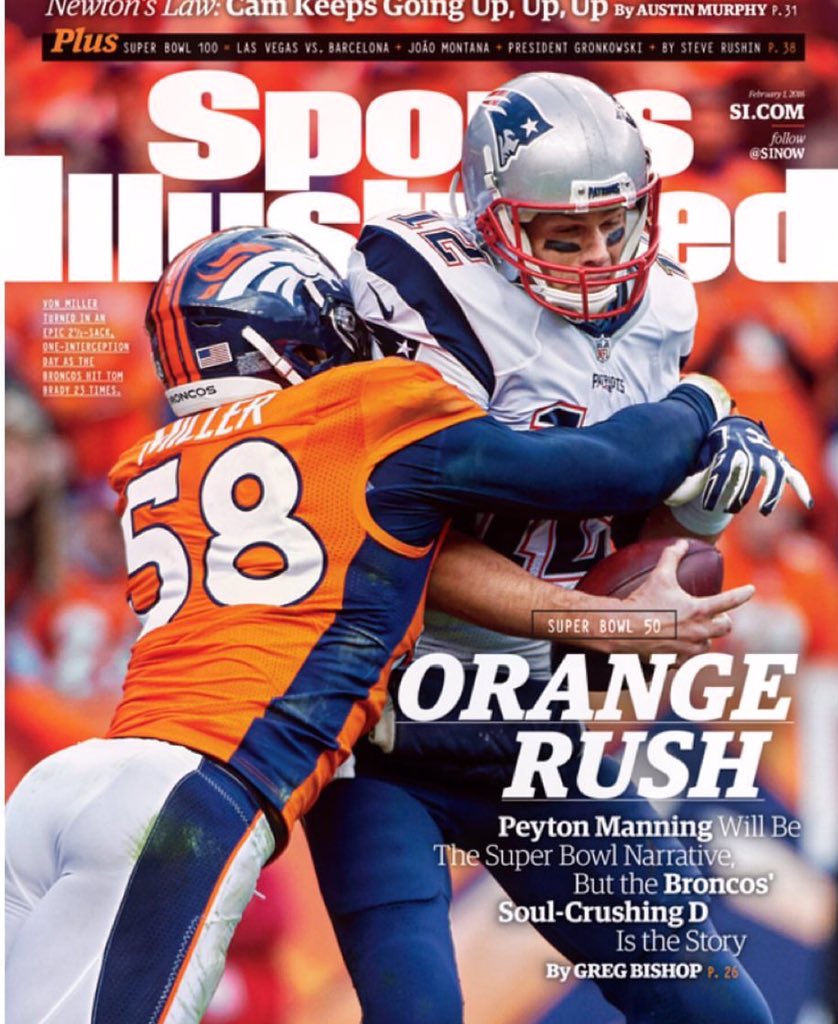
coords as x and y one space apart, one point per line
608 383
516 121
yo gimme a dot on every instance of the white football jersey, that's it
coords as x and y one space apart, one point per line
430 293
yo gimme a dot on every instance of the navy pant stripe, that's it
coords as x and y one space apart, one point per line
198 828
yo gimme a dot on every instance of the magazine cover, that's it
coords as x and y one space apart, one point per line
344 340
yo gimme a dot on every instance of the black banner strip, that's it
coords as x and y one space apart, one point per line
77 44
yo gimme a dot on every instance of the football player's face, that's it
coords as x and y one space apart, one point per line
592 239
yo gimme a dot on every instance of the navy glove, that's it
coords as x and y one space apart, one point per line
737 453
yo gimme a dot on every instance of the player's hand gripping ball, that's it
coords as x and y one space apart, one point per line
700 571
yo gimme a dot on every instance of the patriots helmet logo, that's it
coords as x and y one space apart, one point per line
516 121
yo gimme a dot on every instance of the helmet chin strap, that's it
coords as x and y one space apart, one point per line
285 371
597 300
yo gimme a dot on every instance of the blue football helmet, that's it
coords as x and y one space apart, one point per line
248 310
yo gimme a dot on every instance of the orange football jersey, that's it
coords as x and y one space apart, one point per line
272 604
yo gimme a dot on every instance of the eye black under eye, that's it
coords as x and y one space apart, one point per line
557 245
616 236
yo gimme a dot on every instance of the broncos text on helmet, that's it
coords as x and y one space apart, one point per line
551 143
248 310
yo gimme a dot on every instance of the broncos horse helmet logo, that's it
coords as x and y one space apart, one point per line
254 266
516 121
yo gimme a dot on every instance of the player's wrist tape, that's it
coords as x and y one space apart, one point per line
711 389
700 520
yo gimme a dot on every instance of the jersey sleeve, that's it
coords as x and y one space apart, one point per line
609 468
410 310
401 403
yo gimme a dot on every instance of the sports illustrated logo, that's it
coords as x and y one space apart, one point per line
517 123
181 396
608 383
258 266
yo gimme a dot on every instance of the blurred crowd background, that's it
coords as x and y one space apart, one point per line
69 630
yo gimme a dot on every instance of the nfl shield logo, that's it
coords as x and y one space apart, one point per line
603 348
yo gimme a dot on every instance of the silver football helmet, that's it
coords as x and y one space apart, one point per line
550 143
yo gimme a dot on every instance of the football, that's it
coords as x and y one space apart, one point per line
700 571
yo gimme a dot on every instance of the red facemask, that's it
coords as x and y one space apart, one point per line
504 233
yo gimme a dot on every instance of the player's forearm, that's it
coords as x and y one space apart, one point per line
643 448
473 582
625 464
